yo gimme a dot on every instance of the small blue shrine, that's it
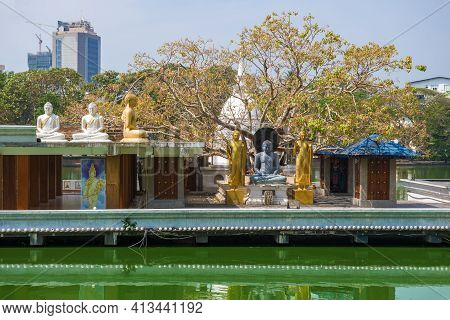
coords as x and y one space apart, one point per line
365 170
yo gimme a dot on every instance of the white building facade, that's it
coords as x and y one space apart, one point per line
439 84
78 47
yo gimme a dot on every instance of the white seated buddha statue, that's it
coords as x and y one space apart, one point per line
47 126
92 127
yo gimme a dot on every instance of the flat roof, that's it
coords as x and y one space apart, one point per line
430 79
69 148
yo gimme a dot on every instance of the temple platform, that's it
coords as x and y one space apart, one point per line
31 172
429 224
213 200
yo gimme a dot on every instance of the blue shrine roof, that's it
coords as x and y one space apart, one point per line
328 150
373 145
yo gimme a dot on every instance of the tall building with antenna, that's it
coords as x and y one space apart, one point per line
76 46
40 59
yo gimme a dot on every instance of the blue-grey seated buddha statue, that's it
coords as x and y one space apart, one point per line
267 166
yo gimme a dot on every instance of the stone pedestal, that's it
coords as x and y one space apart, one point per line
236 196
90 141
134 140
305 197
268 194
211 175
50 140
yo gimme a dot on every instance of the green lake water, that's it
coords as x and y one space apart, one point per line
225 273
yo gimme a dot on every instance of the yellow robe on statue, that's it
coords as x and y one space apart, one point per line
303 162
237 156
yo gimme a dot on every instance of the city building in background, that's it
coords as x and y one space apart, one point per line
77 46
439 84
40 60
2 67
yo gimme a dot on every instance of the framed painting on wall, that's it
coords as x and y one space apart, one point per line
93 184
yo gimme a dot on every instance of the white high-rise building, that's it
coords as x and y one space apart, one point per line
77 46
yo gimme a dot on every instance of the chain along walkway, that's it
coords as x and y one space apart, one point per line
430 224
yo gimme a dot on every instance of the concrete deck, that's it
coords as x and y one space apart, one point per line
428 190
432 224
72 202
330 201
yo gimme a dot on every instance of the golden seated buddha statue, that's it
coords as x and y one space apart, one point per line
131 133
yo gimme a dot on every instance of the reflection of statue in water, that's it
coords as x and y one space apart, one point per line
92 126
267 166
131 133
47 126
237 156
303 152
92 188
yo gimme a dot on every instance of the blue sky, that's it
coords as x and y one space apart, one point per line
131 26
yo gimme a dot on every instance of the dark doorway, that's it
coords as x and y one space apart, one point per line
338 175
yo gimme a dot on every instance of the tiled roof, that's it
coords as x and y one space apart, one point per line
373 145
328 150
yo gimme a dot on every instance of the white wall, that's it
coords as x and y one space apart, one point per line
438 84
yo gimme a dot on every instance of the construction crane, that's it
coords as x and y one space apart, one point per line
40 41
48 49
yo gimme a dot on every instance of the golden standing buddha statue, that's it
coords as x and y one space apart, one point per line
131 133
237 157
304 154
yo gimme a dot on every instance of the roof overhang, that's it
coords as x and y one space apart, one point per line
152 148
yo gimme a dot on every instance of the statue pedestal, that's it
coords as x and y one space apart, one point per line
213 178
134 140
268 194
91 141
53 140
303 196
236 196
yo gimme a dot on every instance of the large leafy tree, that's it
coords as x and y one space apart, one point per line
23 94
107 90
297 75
436 107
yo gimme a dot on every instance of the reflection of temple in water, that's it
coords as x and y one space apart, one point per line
310 293
185 291
223 273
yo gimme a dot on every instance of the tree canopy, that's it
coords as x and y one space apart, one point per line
297 75
23 94
294 75
436 107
